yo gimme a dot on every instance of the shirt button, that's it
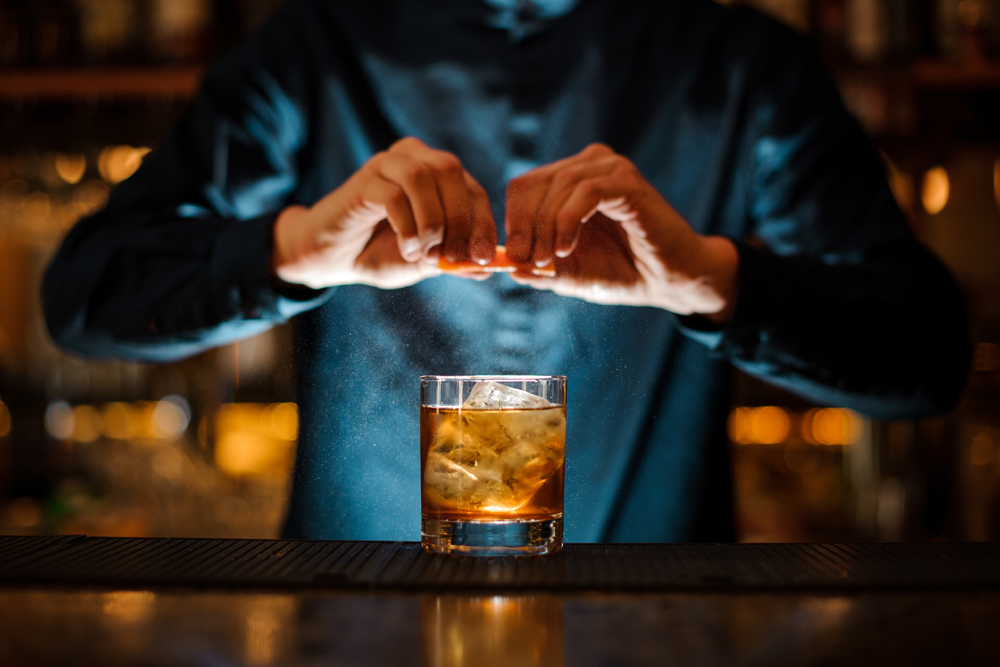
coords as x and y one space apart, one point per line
154 326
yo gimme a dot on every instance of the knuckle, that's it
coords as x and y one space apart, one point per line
396 195
624 166
405 143
415 172
375 160
598 148
448 163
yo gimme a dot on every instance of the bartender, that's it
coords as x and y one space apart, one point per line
688 167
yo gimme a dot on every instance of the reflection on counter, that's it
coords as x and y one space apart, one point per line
125 627
460 631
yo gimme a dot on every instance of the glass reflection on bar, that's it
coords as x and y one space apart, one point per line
459 631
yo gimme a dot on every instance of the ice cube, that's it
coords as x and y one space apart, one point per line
493 396
464 470
488 461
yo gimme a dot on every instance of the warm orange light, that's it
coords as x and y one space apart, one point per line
13 193
87 423
831 426
769 425
129 607
116 163
140 421
935 191
115 420
37 206
70 167
996 182
284 418
90 197
739 426
247 441
5 422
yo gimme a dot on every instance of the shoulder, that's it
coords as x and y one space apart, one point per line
726 40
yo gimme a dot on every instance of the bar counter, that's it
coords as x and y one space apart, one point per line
124 601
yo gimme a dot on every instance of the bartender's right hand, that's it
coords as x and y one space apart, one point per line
388 223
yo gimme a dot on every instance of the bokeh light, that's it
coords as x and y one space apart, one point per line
170 417
90 197
284 418
116 163
115 418
70 167
831 426
87 423
251 438
769 425
739 425
59 421
935 191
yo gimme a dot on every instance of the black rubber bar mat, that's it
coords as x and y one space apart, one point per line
138 562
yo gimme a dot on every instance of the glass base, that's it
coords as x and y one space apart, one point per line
492 538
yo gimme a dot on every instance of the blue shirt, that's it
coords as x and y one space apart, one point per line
727 114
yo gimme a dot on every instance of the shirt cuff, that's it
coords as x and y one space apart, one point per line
241 271
766 290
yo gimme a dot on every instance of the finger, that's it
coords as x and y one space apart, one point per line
587 198
381 265
563 183
456 203
449 176
418 182
389 201
483 237
524 195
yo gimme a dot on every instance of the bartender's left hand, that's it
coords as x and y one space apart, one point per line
614 239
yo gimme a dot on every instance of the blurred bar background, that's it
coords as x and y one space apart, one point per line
204 447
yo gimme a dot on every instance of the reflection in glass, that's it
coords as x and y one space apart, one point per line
492 630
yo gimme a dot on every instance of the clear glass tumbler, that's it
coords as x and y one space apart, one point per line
492 462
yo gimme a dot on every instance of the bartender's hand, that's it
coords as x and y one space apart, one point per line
388 223
614 239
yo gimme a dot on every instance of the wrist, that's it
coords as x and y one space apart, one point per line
286 250
719 276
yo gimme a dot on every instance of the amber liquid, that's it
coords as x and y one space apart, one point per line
492 465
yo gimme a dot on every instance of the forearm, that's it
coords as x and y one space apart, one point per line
156 290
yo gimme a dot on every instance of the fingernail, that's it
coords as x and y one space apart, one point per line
562 253
542 262
411 248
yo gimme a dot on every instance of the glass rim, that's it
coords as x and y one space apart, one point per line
499 378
